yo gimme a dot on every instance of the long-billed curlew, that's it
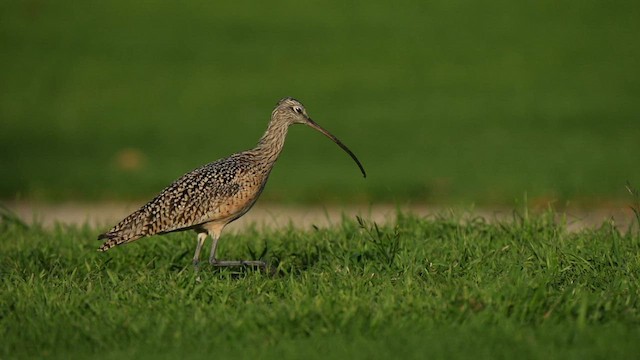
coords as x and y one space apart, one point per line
210 197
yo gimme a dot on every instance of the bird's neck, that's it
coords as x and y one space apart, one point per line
272 142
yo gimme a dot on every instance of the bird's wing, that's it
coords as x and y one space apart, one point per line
189 201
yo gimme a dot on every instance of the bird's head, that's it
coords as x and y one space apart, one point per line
292 112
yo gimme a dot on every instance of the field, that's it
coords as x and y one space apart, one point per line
441 287
448 104
443 101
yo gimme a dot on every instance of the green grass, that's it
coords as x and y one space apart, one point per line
421 288
471 101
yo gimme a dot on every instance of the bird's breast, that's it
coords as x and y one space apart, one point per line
248 187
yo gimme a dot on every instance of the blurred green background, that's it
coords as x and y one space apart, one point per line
443 101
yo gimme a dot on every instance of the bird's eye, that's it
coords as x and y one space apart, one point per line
297 109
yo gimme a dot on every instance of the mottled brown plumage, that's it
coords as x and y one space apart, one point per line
210 197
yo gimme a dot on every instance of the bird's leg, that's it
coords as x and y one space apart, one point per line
226 263
196 257
214 247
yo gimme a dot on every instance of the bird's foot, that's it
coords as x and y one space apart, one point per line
232 263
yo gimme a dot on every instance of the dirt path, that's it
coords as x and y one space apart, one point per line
107 214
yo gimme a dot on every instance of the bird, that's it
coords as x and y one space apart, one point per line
210 197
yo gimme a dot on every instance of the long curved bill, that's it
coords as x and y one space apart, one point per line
314 125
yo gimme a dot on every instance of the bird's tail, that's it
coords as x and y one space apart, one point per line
112 240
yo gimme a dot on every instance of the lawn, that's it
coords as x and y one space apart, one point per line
443 101
447 286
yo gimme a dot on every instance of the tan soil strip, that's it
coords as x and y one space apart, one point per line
104 215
